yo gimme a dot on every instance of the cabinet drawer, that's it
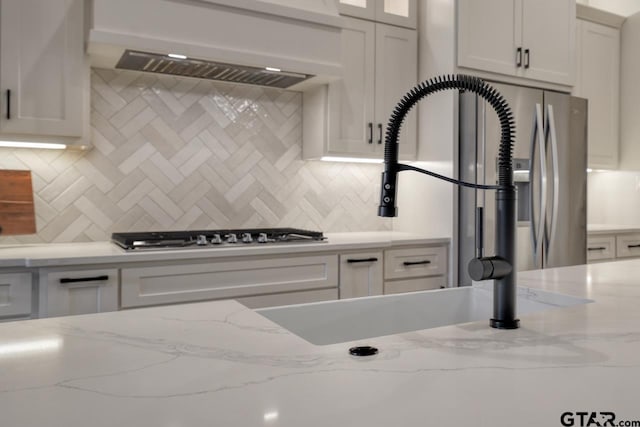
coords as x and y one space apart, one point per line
414 285
601 248
627 245
223 280
415 262
69 292
15 295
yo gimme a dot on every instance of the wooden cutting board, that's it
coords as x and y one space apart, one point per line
17 213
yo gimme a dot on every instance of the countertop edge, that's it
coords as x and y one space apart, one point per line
53 255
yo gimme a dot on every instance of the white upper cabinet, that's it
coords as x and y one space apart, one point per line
395 12
598 80
348 118
531 39
629 94
485 46
396 74
42 72
351 99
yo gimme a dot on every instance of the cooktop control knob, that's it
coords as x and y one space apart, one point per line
232 238
262 238
246 238
201 240
216 239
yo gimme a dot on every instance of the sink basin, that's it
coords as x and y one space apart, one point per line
334 322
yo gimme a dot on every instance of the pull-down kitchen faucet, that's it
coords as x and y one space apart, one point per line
498 267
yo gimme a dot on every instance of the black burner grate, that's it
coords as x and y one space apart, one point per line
213 238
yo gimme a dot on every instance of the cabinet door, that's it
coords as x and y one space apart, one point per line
351 98
403 13
396 74
360 274
489 34
65 293
15 295
169 284
41 67
548 33
365 9
598 80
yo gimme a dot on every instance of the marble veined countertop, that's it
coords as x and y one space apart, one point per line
221 364
60 254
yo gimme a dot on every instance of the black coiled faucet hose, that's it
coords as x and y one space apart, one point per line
504 295
437 84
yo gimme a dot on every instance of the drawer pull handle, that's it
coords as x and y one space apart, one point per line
601 248
633 246
353 261
84 279
426 261
8 104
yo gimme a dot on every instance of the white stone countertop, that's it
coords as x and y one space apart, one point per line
61 254
595 229
221 364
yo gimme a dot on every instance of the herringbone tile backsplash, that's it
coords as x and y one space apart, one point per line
173 153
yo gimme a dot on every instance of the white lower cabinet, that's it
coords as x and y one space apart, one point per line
255 281
237 279
360 274
67 292
415 269
15 296
601 248
609 247
628 245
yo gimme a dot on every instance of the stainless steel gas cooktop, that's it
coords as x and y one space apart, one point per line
213 238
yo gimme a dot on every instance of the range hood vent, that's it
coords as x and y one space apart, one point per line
226 40
204 69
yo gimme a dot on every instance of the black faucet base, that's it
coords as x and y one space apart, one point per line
504 324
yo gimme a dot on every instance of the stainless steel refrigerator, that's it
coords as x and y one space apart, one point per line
550 162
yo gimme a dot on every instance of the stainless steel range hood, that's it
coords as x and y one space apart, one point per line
277 43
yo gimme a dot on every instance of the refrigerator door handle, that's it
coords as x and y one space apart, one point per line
537 139
551 135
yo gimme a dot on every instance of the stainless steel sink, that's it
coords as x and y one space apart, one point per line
334 322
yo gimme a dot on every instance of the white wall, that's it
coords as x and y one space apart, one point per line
613 198
425 204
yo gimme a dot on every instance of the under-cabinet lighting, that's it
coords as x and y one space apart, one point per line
35 346
589 170
177 56
277 70
20 144
271 416
349 159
